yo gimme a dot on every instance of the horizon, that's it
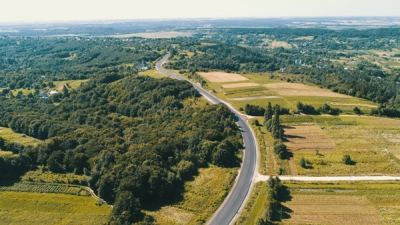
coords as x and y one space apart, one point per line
122 10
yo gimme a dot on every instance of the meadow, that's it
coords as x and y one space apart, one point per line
39 208
11 136
201 198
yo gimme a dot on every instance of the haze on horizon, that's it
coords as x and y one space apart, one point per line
76 10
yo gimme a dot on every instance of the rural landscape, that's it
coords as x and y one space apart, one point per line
147 122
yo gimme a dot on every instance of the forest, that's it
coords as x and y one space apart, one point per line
140 138
137 137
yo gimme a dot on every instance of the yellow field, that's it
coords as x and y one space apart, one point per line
22 139
37 208
222 77
239 85
326 209
293 89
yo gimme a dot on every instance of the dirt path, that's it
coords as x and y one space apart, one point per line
96 197
332 178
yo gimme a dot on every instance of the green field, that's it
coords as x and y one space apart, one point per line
201 198
10 136
153 73
39 208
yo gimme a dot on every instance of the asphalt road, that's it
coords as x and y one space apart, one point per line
244 183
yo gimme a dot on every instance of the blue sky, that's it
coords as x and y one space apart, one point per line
61 10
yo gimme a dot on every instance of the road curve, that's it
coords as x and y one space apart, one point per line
236 199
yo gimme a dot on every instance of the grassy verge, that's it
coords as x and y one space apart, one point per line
37 208
255 206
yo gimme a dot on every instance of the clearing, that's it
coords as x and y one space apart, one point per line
239 85
222 77
10 136
293 89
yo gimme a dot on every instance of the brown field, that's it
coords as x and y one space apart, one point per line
307 138
221 77
324 209
239 85
292 89
353 104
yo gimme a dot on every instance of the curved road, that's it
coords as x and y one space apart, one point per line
236 199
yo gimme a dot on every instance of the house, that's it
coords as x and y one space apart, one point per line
53 92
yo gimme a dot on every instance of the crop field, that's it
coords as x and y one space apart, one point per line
222 77
20 208
45 188
327 209
348 203
307 138
201 199
49 177
22 139
372 143
293 89
239 85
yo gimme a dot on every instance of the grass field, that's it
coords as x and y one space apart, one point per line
200 200
38 208
153 73
22 139
71 84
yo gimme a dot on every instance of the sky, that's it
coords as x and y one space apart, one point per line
67 10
